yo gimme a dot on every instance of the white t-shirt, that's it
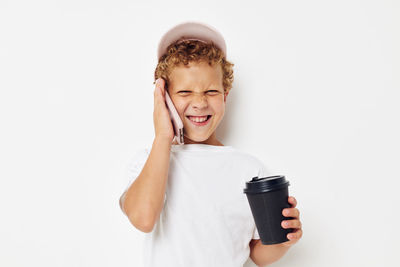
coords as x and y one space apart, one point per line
206 219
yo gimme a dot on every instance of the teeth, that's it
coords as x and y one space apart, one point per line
198 119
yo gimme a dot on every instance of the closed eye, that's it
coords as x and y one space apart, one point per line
207 91
214 92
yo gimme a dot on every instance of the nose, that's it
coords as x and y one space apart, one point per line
199 101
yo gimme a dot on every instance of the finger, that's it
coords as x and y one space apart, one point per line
157 83
291 212
295 224
157 95
159 89
160 83
292 200
295 235
156 87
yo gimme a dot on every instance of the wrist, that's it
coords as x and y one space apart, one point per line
161 139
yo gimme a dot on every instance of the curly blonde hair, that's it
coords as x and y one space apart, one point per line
186 51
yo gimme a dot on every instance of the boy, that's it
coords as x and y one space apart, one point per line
189 198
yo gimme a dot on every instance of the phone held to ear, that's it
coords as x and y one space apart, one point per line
176 120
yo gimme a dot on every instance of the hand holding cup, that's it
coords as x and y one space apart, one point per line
294 223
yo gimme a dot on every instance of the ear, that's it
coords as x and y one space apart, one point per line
225 95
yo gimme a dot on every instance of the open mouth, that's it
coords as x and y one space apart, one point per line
200 123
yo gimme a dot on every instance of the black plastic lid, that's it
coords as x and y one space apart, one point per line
265 184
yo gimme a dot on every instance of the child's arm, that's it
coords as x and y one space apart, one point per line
264 255
144 200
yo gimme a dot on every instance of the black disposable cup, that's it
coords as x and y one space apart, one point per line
267 198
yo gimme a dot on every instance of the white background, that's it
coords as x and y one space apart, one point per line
316 97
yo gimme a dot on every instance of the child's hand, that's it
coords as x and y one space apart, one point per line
295 223
162 120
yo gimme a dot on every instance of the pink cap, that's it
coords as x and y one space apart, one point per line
191 30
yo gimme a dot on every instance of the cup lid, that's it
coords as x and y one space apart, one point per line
265 184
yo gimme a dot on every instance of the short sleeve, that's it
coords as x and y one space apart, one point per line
264 171
135 166
255 233
132 171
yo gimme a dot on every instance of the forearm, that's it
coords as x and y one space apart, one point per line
269 253
145 197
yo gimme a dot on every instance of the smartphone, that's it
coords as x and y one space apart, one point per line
176 120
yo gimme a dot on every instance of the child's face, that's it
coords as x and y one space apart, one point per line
197 90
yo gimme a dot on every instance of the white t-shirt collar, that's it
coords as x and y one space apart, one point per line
199 147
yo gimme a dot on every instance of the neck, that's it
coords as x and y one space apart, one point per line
212 140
